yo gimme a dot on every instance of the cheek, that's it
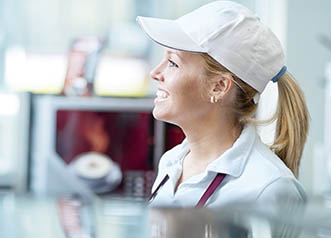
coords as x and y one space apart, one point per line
194 89
190 95
186 87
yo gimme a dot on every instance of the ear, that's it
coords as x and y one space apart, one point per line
221 86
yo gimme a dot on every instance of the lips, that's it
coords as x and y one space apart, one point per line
162 94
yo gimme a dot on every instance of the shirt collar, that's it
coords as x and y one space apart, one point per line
231 162
174 164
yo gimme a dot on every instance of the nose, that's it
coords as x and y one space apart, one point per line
157 74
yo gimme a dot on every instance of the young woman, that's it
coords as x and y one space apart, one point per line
218 59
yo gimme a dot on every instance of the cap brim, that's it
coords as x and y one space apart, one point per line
168 34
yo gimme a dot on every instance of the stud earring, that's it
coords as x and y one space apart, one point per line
213 99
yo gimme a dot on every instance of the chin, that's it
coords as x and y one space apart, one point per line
157 115
164 118
160 115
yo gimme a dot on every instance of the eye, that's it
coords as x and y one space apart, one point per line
172 64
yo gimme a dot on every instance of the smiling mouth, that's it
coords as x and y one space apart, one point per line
160 94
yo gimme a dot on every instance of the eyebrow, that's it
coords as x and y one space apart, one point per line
169 52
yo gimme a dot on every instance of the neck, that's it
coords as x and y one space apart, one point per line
210 137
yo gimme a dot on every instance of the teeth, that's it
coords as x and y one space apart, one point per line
161 94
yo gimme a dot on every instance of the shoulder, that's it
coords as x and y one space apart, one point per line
272 178
282 189
266 163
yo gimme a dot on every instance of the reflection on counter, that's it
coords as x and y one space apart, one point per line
76 216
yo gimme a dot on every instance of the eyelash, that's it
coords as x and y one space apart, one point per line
172 64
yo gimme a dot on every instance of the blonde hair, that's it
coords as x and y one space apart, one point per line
291 115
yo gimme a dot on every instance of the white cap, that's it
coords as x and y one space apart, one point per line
228 32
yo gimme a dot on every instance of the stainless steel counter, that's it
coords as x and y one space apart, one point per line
67 216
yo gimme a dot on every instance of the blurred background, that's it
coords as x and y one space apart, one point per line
74 80
76 106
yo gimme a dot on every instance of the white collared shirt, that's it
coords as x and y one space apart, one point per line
253 173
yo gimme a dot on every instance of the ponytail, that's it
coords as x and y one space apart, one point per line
291 115
292 123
